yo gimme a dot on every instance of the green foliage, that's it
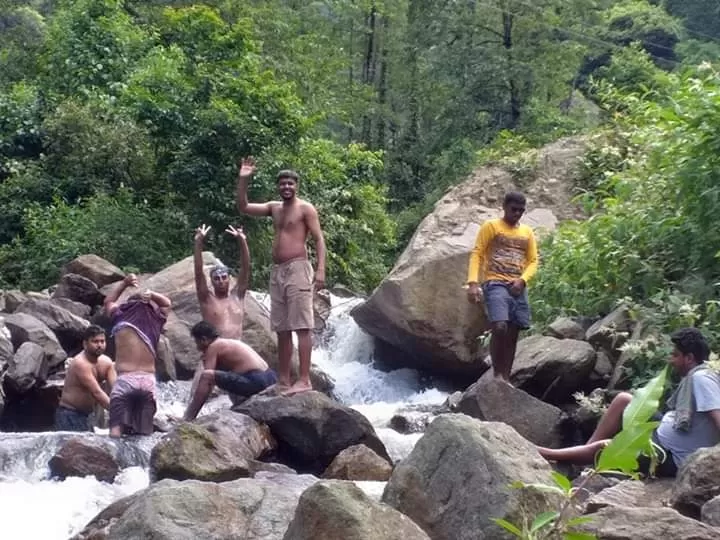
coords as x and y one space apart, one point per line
117 227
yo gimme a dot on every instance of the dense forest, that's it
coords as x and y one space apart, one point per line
121 124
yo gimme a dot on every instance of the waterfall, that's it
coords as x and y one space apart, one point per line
345 353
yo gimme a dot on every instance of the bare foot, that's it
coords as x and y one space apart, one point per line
297 388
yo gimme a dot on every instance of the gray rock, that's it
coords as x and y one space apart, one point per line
496 401
165 361
99 526
710 512
80 289
80 457
215 448
341 511
632 494
27 368
76 308
620 523
251 509
311 429
12 299
94 268
551 369
697 481
611 331
565 328
24 328
358 462
68 328
458 476
6 346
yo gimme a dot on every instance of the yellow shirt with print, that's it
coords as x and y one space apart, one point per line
503 253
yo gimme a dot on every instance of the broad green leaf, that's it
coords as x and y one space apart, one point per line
622 452
508 527
645 402
562 481
543 519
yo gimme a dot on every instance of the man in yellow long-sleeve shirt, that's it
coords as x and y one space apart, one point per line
502 262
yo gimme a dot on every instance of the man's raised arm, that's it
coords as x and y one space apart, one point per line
201 286
247 169
243 281
313 223
111 300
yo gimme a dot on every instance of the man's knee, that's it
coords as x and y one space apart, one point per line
500 328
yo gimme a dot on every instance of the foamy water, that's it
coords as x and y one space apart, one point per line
66 506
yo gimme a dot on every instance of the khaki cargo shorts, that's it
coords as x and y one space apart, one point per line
291 296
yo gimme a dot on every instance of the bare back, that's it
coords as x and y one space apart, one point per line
131 353
225 314
291 230
76 395
234 355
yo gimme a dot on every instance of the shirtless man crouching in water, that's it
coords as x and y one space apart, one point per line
82 387
222 307
228 363
291 280
137 324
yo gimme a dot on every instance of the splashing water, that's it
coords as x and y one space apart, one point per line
346 355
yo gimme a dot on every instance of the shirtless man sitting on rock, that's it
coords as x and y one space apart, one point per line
228 363
291 280
137 324
222 307
82 387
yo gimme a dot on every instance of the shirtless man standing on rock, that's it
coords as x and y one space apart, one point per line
228 363
82 387
223 308
137 324
291 280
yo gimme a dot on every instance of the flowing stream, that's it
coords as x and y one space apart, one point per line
33 506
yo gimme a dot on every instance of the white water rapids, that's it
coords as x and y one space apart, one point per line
32 506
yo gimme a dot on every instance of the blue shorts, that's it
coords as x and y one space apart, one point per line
67 419
245 384
503 306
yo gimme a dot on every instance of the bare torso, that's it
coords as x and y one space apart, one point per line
131 353
291 230
225 314
234 355
75 394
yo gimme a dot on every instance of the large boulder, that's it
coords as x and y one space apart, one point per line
80 457
632 494
76 308
249 508
624 523
24 328
30 410
420 307
698 481
99 527
551 369
80 289
68 328
341 511
710 513
565 328
497 401
311 429
610 332
27 368
94 268
12 299
216 448
165 369
358 462
459 475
